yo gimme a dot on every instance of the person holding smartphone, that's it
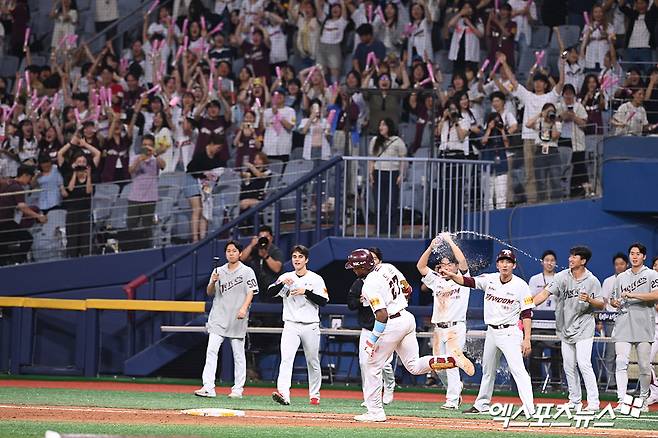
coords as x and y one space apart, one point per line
248 140
77 200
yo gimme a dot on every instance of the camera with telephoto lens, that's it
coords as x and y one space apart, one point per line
552 116
263 242
454 115
79 167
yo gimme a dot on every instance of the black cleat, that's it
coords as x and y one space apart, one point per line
279 399
472 410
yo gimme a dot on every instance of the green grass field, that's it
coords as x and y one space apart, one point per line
177 401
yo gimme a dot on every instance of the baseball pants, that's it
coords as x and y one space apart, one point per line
400 337
508 342
580 354
239 363
446 340
387 371
309 336
623 350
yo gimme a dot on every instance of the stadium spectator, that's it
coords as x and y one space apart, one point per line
279 122
12 209
305 16
264 257
641 32
48 180
77 200
255 180
106 13
651 95
547 162
524 14
575 182
631 117
332 32
248 140
367 44
494 145
315 129
144 169
597 38
501 31
465 42
385 177
389 27
65 16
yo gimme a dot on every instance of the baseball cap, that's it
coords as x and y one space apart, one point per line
506 254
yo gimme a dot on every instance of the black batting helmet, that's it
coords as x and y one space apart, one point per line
360 258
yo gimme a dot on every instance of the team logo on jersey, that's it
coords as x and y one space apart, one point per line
527 300
375 302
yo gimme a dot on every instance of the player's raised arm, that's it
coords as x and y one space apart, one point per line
424 258
456 251
212 284
541 297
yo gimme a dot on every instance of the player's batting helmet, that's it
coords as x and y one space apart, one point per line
360 258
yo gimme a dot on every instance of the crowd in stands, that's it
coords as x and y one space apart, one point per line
240 84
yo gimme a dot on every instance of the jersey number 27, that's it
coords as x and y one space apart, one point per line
394 286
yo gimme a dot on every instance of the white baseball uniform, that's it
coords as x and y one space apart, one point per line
503 304
382 288
230 292
449 317
301 323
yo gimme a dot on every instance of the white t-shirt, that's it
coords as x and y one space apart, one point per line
640 36
450 299
533 104
606 292
450 138
522 25
537 283
278 140
383 289
278 51
503 302
333 31
299 308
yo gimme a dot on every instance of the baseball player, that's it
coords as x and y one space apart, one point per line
577 294
394 331
634 293
366 320
507 299
449 313
233 286
653 398
620 264
303 293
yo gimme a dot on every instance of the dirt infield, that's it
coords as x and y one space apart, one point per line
264 419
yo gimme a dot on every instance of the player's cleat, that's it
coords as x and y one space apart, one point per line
592 408
205 392
573 406
472 410
645 406
315 401
234 395
619 409
449 406
371 418
463 362
277 397
388 397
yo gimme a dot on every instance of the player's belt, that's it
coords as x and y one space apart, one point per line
395 315
445 325
502 326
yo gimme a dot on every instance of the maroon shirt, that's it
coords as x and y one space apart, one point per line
258 57
8 203
499 43
247 148
207 127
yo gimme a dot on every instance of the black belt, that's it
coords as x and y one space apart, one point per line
395 315
445 325
499 327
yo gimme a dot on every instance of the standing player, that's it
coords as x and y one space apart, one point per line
449 313
366 320
507 299
653 398
394 331
303 293
233 286
634 294
577 294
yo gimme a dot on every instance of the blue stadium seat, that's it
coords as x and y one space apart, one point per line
540 36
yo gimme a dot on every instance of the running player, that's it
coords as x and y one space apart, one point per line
303 293
507 299
449 313
394 331
634 294
577 294
233 285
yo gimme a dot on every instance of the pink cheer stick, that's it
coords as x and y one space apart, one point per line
331 116
73 39
39 103
26 41
153 6
381 14
55 101
308 78
216 28
530 3
539 56
497 6
219 84
203 23
103 96
425 81
257 103
430 70
278 73
174 101
19 85
186 42
495 67
179 52
185 23
77 116
485 64
123 64
27 82
630 117
369 11
11 111
586 17
108 94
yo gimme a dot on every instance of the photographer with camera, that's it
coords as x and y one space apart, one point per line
494 145
548 165
571 144
248 140
265 258
144 169
77 200
453 131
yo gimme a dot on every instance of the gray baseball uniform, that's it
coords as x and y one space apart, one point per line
230 292
574 323
574 319
635 325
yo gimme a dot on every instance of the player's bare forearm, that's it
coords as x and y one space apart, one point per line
651 296
423 260
540 297
597 304
210 289
527 328
381 315
247 300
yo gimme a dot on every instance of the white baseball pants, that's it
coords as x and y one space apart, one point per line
239 363
387 371
309 336
508 342
580 353
446 339
623 350
399 336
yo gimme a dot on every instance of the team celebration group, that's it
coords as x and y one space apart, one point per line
380 294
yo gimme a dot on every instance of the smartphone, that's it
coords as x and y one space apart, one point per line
215 263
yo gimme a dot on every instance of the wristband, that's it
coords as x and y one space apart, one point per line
377 331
